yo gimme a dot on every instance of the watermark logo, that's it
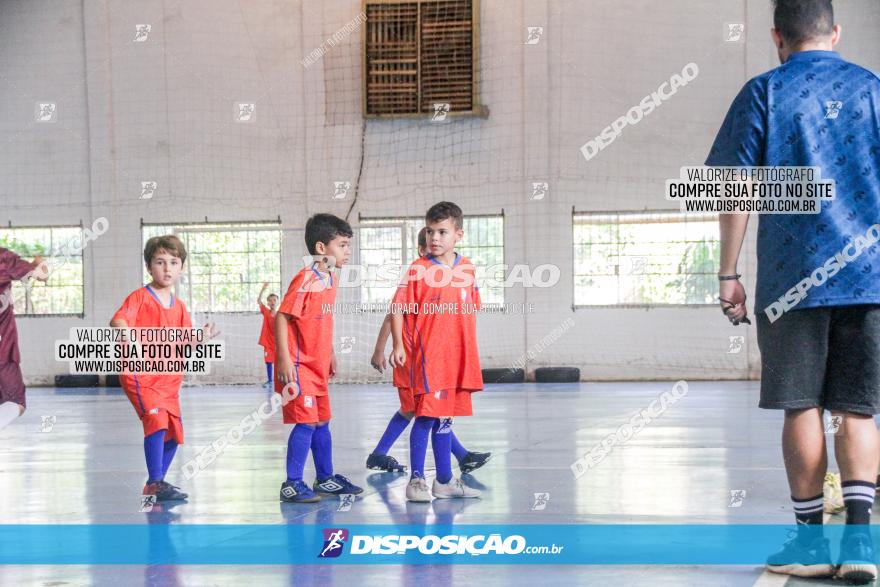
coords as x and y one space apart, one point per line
245 111
833 424
147 503
441 111
630 429
734 32
540 503
346 500
832 266
534 34
46 112
645 107
737 497
735 344
539 190
148 189
346 344
832 109
334 540
47 423
141 32
340 189
333 40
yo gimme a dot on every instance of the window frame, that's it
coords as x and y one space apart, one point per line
212 226
639 306
82 256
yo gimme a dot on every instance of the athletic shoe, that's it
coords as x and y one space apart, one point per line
857 563
164 491
473 461
384 463
297 492
417 490
833 494
175 488
268 385
336 485
795 558
454 488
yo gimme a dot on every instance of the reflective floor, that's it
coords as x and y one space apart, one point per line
85 465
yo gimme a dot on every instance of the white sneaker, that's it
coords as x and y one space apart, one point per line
417 490
454 488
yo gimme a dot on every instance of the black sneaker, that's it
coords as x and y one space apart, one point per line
473 461
336 485
800 560
297 492
857 562
164 491
174 488
384 463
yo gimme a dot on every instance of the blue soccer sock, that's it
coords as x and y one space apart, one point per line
268 371
418 444
153 452
168 453
322 452
457 449
394 429
298 445
441 443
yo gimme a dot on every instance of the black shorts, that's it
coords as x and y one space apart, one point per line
11 384
821 357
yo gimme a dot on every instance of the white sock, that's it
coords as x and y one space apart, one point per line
9 411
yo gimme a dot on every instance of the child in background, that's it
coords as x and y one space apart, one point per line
267 334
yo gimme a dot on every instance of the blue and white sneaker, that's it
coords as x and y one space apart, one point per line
297 492
857 563
802 560
336 485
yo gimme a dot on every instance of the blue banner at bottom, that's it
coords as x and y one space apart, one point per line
186 544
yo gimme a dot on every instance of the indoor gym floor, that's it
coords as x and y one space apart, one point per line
680 469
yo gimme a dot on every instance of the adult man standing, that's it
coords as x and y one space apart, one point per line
823 351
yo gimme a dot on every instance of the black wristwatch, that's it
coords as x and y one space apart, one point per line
729 277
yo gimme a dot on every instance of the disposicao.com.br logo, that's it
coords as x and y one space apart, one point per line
430 544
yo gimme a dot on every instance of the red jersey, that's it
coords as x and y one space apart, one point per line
440 335
267 334
12 268
142 309
309 329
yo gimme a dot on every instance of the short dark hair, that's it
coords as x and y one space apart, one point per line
323 228
423 237
167 243
272 296
443 210
799 21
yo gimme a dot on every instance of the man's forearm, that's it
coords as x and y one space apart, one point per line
397 329
732 228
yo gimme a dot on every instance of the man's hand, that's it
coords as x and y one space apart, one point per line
398 356
378 360
333 365
733 301
40 271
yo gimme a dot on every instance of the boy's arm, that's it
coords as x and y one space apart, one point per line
398 353
283 366
262 291
378 360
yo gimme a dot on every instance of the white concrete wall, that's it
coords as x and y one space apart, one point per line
163 110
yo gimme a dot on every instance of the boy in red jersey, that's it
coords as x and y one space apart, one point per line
434 322
305 360
267 334
156 397
379 459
